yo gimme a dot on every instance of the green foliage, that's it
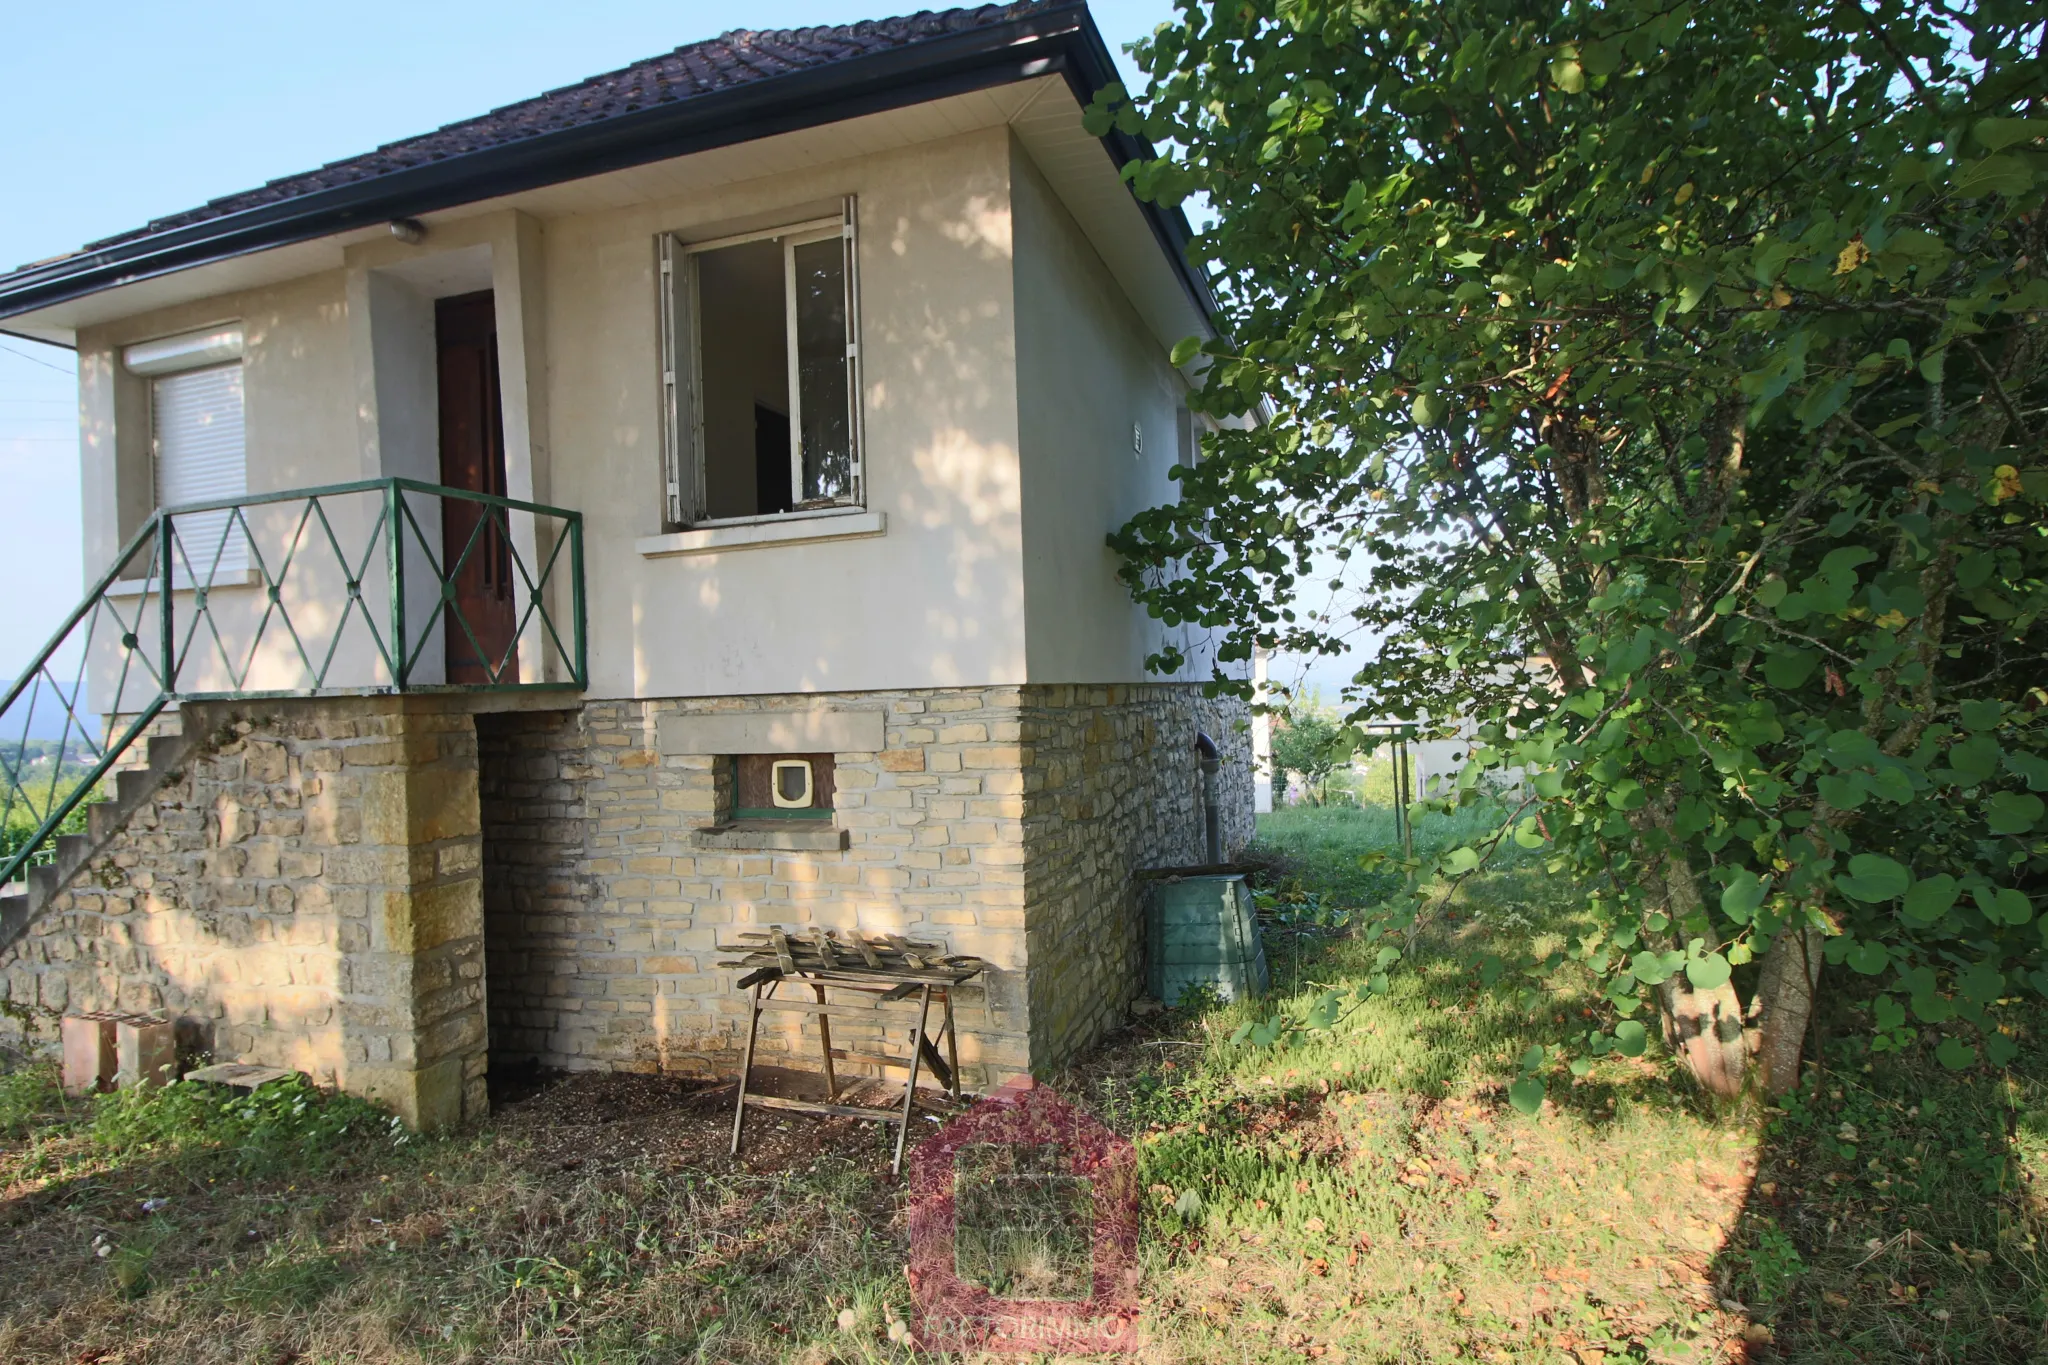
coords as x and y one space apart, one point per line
27 1095
23 819
1662 388
289 1123
1772 1264
1889 1153
1317 851
1347 855
1311 744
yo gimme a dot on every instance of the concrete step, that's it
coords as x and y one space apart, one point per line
21 906
71 850
132 786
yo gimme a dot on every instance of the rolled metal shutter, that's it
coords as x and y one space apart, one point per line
196 425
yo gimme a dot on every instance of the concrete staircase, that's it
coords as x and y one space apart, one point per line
22 904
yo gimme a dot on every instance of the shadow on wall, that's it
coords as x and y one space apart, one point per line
306 894
941 462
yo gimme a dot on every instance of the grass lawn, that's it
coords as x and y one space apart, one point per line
1359 1195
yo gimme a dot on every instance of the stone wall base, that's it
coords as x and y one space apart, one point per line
307 893
385 892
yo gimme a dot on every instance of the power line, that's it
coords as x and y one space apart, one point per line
24 355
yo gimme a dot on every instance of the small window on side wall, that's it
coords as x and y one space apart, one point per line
782 787
761 373
196 443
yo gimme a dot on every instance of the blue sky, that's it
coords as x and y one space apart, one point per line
121 112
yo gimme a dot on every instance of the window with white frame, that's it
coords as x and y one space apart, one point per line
761 372
197 448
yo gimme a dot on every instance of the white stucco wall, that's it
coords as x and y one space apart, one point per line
976 287
300 430
1097 414
938 599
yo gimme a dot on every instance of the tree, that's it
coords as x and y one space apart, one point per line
1311 744
1664 385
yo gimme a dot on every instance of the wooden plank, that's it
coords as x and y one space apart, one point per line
867 950
903 946
825 1045
871 1058
852 1111
739 1109
855 976
767 936
881 942
933 1060
952 1047
910 1083
759 975
835 1010
782 953
823 943
903 991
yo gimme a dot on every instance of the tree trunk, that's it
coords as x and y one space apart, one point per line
1785 993
1704 1030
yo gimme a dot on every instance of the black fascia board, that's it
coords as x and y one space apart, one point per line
1091 70
1060 41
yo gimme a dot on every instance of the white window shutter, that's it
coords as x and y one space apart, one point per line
196 430
849 231
682 406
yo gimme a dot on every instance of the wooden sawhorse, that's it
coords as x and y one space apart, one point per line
867 975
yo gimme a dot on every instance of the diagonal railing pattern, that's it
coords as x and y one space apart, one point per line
386 585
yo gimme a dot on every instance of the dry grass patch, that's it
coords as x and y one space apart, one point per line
1359 1195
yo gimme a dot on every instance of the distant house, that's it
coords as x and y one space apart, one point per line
529 553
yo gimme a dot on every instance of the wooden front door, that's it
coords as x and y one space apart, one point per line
481 626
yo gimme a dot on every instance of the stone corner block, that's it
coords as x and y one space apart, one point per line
428 1099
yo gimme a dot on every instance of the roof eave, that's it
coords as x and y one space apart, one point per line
1061 41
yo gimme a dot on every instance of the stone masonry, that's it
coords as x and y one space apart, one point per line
1003 822
307 894
372 890
1112 787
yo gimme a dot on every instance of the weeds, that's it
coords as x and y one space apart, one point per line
26 1096
1364 1189
285 1125
1359 1194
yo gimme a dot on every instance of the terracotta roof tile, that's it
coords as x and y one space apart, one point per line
740 57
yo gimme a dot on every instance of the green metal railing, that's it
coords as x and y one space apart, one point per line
383 586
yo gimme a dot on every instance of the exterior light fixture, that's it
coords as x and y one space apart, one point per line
409 230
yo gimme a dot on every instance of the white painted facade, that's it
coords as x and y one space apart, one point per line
1017 405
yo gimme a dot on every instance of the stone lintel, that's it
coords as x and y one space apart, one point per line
818 730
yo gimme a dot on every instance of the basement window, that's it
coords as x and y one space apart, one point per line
760 370
782 787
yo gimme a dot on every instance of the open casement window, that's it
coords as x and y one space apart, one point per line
761 367
1187 433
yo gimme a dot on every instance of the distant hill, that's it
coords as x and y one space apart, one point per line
47 719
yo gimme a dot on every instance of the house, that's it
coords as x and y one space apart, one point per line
521 557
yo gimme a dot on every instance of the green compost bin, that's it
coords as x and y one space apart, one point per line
1203 931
